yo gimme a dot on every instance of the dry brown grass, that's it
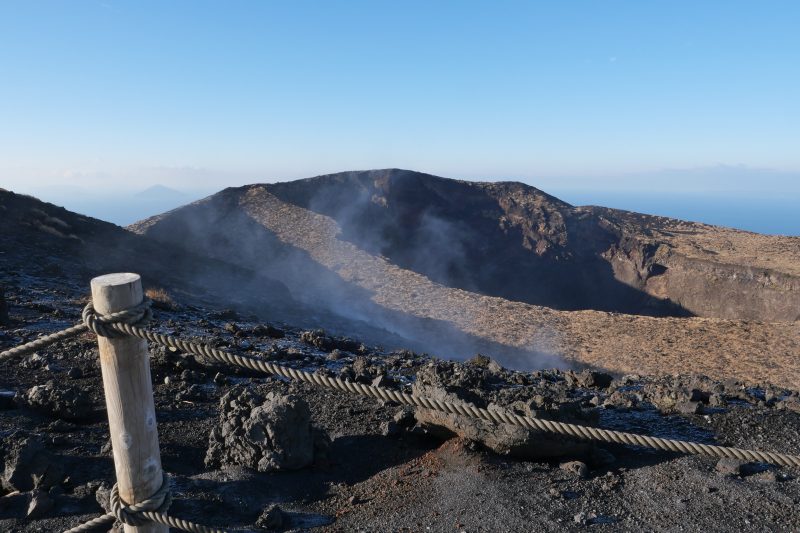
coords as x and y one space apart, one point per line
161 299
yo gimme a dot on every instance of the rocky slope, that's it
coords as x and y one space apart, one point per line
296 457
43 240
425 257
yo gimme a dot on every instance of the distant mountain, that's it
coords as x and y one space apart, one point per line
161 193
507 268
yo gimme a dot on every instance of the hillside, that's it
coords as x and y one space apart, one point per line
41 240
508 270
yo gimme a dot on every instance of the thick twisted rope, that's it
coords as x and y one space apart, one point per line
153 509
117 323
463 409
139 314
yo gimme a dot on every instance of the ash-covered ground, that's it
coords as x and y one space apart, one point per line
259 453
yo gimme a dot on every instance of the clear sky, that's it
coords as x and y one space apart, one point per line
570 94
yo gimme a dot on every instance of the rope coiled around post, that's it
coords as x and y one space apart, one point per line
153 509
90 321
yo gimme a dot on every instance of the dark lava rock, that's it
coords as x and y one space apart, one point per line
590 379
689 408
225 314
457 383
271 519
26 463
265 433
103 496
578 468
74 373
272 332
729 466
40 505
488 363
319 340
60 401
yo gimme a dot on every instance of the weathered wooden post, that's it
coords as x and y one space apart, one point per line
129 397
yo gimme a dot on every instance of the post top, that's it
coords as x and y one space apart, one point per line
113 280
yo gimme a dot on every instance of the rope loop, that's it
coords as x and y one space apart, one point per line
133 515
138 315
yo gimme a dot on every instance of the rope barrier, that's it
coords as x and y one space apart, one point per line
153 509
128 322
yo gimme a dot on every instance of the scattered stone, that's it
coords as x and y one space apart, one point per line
107 448
60 401
390 429
34 361
264 433
335 355
458 383
268 331
62 426
689 408
192 376
220 379
319 340
362 370
225 314
27 464
192 393
483 361
578 468
271 518
729 466
40 505
591 379
103 496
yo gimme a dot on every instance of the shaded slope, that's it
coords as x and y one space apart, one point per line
519 243
500 239
46 240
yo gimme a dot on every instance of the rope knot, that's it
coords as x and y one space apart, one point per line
135 514
103 325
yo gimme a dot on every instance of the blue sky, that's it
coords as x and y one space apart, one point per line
581 95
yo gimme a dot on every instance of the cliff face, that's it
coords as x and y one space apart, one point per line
707 270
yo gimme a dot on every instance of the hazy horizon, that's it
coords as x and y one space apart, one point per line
711 196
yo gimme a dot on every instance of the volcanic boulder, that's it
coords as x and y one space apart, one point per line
65 402
27 465
265 433
450 382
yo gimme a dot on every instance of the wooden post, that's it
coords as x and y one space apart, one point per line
129 397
